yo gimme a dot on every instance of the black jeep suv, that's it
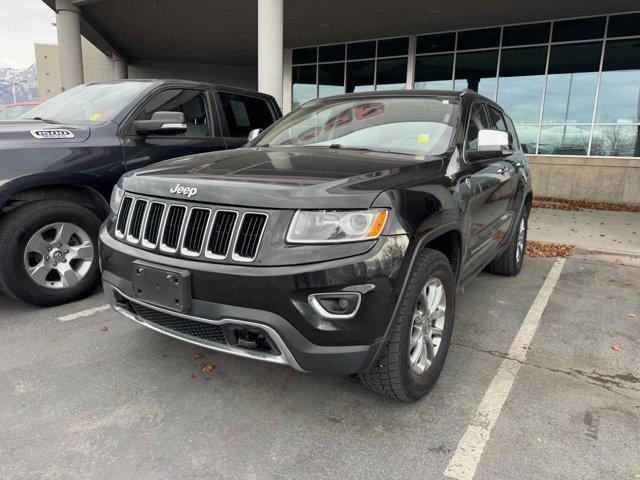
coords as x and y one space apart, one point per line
334 242
60 161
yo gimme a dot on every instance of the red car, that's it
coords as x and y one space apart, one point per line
15 110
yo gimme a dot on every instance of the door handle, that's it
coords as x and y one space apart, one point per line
518 164
501 170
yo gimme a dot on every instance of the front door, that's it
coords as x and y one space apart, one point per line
488 215
243 113
203 130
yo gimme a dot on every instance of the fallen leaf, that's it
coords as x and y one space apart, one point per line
104 328
197 356
618 262
208 367
631 315
577 205
545 249
616 347
192 376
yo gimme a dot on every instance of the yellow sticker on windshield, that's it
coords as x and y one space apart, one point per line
423 138
95 116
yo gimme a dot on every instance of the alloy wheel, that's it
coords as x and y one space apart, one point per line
427 325
522 230
58 255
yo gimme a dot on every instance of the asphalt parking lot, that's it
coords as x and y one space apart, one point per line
100 397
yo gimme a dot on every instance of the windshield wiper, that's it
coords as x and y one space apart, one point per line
45 120
337 146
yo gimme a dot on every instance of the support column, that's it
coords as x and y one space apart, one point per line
69 44
119 67
270 47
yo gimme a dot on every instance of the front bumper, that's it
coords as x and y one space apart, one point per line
272 300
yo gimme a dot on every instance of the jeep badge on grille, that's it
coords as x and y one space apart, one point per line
184 190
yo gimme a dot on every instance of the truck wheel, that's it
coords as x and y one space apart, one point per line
50 252
509 263
420 334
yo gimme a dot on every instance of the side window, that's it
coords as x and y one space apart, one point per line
496 121
512 133
190 102
243 114
477 121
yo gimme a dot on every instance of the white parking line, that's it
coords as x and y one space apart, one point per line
465 460
84 313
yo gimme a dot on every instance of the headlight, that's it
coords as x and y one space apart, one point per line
116 198
326 226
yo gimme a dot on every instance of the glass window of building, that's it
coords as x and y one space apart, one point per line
564 140
331 53
434 72
624 25
391 74
483 38
305 55
528 136
521 83
330 79
361 50
304 84
619 97
360 76
477 71
528 34
393 47
572 82
579 29
442 42
616 141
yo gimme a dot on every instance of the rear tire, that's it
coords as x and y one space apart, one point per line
401 372
27 235
509 263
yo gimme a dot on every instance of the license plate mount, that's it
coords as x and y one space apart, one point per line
165 287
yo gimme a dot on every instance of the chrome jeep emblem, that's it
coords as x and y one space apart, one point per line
184 190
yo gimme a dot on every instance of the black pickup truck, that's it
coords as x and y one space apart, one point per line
334 242
60 161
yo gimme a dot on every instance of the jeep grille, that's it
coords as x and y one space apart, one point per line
196 231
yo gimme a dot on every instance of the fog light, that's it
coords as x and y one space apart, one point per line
339 305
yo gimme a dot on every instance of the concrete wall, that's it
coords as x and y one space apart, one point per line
47 71
600 179
204 72
97 67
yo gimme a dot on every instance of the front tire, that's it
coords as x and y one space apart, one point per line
420 334
50 253
509 263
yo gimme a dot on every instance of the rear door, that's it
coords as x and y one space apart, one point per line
203 133
242 113
488 178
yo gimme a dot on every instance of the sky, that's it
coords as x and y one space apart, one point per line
24 22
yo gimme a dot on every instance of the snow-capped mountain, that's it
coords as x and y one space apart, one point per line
25 81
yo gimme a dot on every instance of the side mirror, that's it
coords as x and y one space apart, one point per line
494 141
491 144
162 123
253 134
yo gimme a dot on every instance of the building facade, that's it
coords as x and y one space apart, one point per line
567 72
97 67
571 86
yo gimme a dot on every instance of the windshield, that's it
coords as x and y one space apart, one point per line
88 104
412 125
14 111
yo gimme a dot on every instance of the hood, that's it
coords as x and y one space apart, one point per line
282 177
39 132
